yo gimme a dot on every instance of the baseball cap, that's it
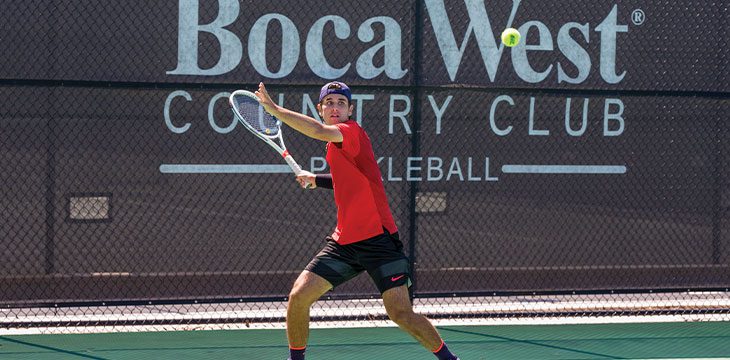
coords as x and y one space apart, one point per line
335 87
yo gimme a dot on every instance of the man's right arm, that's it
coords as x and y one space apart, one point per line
307 180
324 181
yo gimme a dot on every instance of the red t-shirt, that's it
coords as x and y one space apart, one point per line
362 207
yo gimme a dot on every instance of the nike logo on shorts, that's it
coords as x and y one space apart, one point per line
396 278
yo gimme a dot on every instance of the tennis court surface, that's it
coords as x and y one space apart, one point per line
689 340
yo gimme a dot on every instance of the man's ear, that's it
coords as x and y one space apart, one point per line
319 110
352 109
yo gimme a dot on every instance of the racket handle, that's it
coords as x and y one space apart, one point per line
293 164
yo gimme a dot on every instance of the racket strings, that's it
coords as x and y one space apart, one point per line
254 115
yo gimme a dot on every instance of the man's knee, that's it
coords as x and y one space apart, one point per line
307 289
301 296
400 314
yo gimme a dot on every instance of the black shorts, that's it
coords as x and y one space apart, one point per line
381 256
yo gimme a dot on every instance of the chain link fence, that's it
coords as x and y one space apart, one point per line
584 172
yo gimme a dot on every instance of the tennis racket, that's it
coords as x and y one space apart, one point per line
265 126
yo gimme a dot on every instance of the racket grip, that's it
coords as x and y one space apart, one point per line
293 164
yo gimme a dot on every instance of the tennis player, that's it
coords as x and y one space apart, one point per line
366 236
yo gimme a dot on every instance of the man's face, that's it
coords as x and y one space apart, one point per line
334 109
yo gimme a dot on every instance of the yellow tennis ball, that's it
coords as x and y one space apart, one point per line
510 37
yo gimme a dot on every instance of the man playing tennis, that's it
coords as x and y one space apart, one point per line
366 236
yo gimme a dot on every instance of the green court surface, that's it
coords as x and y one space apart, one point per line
698 340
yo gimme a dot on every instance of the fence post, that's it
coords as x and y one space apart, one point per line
50 195
415 142
717 208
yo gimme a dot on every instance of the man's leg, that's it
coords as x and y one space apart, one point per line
400 310
306 290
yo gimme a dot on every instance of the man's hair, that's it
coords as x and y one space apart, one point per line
335 87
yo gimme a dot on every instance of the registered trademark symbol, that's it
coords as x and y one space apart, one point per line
638 17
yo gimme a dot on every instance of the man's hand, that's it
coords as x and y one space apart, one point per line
265 99
306 180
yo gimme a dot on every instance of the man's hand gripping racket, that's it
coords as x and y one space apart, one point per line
251 113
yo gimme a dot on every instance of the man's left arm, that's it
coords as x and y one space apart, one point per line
297 121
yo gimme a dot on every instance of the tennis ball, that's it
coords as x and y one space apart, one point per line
510 37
